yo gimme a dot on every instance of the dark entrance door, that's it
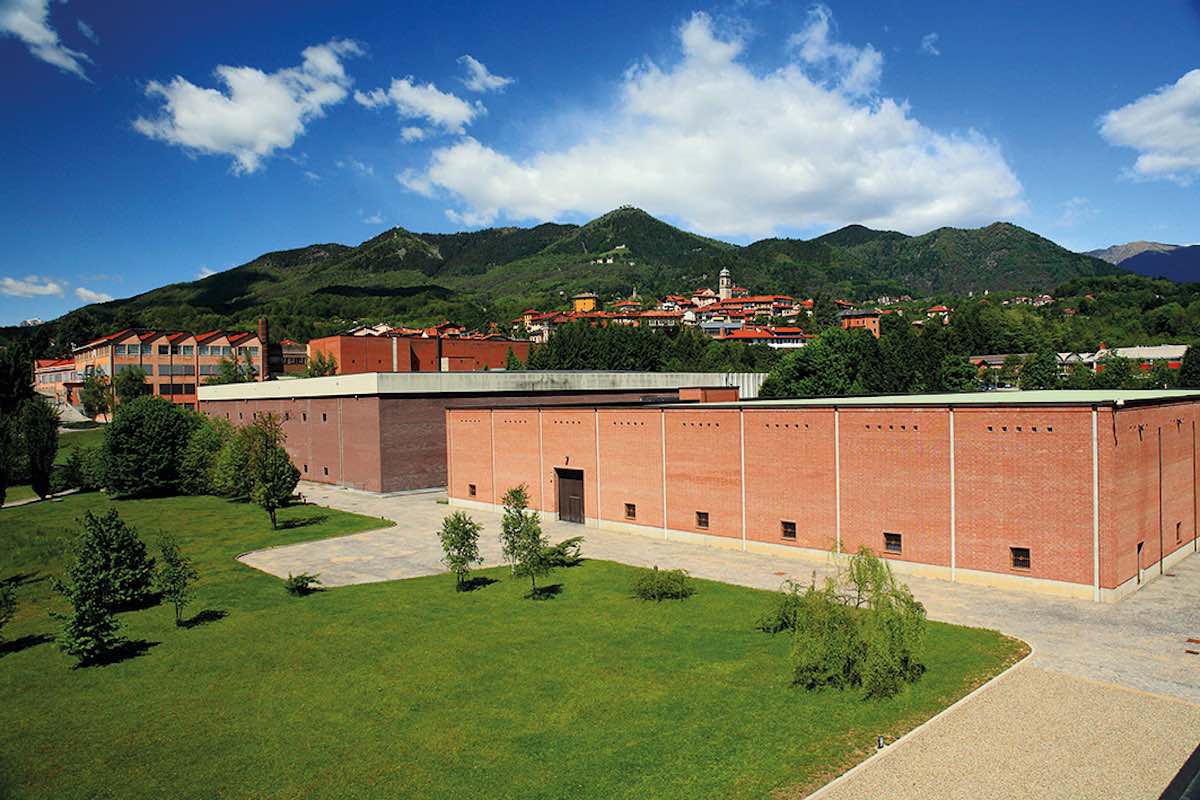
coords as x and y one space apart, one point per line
570 494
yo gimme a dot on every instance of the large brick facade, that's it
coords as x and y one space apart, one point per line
967 486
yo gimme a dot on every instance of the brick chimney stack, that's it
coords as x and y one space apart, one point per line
262 330
264 364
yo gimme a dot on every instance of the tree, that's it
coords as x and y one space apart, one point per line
1189 369
143 447
522 542
1116 372
321 366
10 451
1010 371
273 477
1040 371
113 556
130 383
39 424
460 545
197 464
1160 376
175 577
16 377
958 375
230 470
511 362
96 394
233 370
91 631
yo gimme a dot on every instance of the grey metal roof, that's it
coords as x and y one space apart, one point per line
1070 397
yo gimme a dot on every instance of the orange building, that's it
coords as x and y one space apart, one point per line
396 353
56 378
939 485
862 318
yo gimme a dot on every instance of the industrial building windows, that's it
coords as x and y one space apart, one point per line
285 416
892 543
304 416
323 417
470 490
306 469
787 529
1178 532
1020 557
702 519
630 511
326 470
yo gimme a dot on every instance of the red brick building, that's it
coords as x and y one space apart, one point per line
386 432
397 353
1086 494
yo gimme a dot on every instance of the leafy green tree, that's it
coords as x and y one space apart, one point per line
273 477
1189 369
110 552
1116 372
234 370
1010 370
91 631
11 448
1040 371
230 471
1079 376
197 464
1160 376
96 394
16 377
176 576
460 546
39 423
511 362
130 383
8 606
958 375
321 366
144 445
832 366
522 542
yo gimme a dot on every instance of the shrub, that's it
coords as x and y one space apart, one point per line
567 553
662 584
862 628
143 446
198 462
80 471
90 631
39 424
302 584
8 606
176 574
109 554
460 545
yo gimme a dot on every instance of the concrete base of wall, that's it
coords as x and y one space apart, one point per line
1149 575
999 580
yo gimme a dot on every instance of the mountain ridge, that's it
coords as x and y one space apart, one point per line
476 277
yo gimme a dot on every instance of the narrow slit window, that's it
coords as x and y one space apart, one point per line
893 543
1020 557
787 529
326 470
701 519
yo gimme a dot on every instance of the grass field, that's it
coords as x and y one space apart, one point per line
408 689
89 437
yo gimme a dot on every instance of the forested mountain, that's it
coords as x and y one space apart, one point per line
1119 253
491 275
1178 264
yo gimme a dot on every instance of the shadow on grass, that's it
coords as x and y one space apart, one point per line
131 648
149 600
24 643
545 592
478 582
288 524
204 617
22 578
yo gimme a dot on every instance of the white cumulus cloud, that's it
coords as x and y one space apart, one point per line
29 21
258 112
854 70
205 271
88 296
412 133
1164 127
374 219
727 150
479 79
31 286
423 101
929 44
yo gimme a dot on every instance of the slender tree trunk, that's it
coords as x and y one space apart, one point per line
271 511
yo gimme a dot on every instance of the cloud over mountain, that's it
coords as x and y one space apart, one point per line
1164 127
730 150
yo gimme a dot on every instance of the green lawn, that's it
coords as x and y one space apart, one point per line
408 689
89 437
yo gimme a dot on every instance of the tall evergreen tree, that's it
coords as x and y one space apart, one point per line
39 427
1189 369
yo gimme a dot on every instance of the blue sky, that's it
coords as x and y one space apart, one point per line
130 163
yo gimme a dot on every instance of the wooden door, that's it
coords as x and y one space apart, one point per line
570 495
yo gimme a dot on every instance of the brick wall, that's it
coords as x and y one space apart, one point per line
790 476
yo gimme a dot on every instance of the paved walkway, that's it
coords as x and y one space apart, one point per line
1106 683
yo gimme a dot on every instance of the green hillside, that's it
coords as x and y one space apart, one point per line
491 275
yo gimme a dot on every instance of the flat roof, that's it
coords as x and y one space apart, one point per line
1040 397
517 381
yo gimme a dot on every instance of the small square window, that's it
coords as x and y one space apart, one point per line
1020 557
470 490
285 416
323 417
304 416
306 469
326 470
787 529
630 511
892 543
701 519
